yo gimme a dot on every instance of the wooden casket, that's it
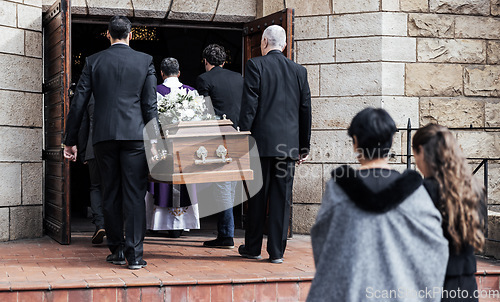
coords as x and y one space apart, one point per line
202 152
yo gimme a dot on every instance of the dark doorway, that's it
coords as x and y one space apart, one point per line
184 44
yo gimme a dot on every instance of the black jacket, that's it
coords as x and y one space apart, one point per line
123 83
276 105
85 146
225 88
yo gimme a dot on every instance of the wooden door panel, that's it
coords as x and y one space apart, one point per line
57 73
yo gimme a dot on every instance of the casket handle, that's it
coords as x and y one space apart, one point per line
203 153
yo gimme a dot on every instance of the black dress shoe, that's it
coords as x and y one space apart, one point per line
175 233
220 242
137 264
117 257
98 236
244 253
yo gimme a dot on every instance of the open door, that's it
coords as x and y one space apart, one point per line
56 81
252 34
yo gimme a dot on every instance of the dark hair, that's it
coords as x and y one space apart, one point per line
119 27
170 67
214 54
374 129
460 192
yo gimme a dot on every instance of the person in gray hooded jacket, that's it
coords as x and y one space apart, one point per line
377 235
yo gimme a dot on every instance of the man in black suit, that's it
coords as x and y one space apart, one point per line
276 107
123 83
225 88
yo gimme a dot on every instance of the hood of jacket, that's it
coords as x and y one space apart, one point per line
381 201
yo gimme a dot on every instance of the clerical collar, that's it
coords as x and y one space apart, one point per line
172 82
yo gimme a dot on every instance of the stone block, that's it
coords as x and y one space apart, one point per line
315 51
313 78
25 222
10 190
195 10
235 11
388 49
32 175
482 80
331 147
29 17
492 248
110 7
492 114
477 27
304 216
311 27
451 51
479 144
493 53
426 25
37 3
493 184
348 6
156 9
423 79
20 144
452 112
33 46
267 7
390 5
465 7
4 224
310 7
8 14
414 5
307 184
20 109
362 79
46 4
495 7
401 109
393 78
21 73
79 7
337 113
12 40
368 24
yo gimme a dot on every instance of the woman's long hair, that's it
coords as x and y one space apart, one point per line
460 192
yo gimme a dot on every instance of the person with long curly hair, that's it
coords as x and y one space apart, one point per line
459 198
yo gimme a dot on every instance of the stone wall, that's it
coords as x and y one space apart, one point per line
20 119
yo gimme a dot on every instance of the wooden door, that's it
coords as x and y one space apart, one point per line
56 78
252 34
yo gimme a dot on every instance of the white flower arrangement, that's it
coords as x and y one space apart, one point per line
182 105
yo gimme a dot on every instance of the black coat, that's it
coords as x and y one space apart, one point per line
85 146
276 106
225 89
123 83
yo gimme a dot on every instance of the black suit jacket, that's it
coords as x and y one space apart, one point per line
85 146
123 83
225 89
276 106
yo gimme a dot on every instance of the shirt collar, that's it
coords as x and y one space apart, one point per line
172 82
119 43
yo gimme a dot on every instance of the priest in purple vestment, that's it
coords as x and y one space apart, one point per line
169 207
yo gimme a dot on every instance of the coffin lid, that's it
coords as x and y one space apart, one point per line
201 129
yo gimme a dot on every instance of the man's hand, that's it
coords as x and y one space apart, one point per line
302 158
154 152
70 152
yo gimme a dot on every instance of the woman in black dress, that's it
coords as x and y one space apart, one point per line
459 197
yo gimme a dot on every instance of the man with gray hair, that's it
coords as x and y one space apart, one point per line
276 108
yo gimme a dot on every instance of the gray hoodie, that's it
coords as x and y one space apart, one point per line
377 237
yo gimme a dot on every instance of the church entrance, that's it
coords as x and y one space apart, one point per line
185 43
68 41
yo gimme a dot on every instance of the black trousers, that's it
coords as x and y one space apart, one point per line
124 175
277 178
95 194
